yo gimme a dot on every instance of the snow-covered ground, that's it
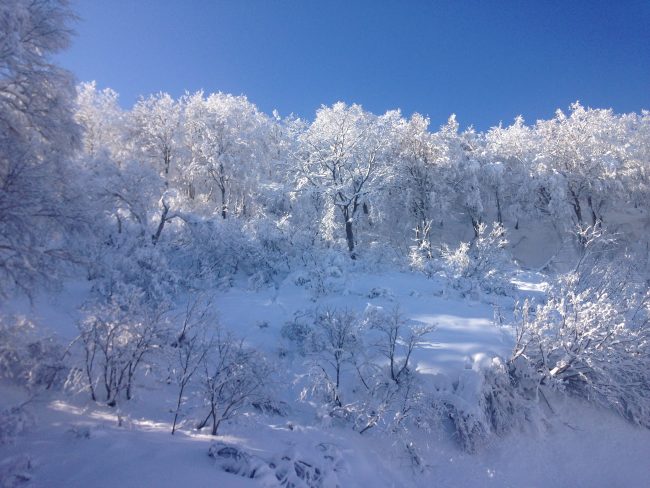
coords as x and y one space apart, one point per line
77 443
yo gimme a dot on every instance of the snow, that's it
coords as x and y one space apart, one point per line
77 443
329 364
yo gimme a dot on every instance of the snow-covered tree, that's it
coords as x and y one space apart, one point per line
507 174
232 377
342 157
118 336
592 337
154 132
418 195
190 349
102 119
397 339
227 143
464 151
38 136
578 158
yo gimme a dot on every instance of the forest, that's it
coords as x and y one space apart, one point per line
148 218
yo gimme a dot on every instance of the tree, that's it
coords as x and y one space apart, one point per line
509 160
233 376
592 337
154 132
118 335
190 349
102 120
226 139
579 157
336 340
342 154
459 154
38 136
420 184
398 338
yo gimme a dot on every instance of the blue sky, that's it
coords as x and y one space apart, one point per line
487 61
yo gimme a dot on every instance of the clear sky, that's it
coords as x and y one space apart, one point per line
487 61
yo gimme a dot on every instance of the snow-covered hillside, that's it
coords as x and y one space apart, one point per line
73 442
196 293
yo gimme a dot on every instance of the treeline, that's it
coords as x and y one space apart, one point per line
355 180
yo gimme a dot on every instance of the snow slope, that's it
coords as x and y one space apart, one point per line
77 443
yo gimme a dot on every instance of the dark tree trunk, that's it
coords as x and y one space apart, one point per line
595 220
476 222
224 207
161 225
349 234
499 214
178 407
577 209
215 424
167 156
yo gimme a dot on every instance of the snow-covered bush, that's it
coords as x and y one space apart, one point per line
189 349
237 461
14 421
591 339
502 403
209 249
137 265
481 264
288 469
484 401
233 376
323 272
422 258
16 471
397 338
299 332
118 334
28 357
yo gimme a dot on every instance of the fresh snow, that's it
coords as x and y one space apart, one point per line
77 443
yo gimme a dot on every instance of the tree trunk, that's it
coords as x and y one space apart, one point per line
204 422
222 186
161 225
349 236
129 382
349 232
476 222
577 209
167 161
337 399
595 220
89 366
215 424
224 208
499 214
